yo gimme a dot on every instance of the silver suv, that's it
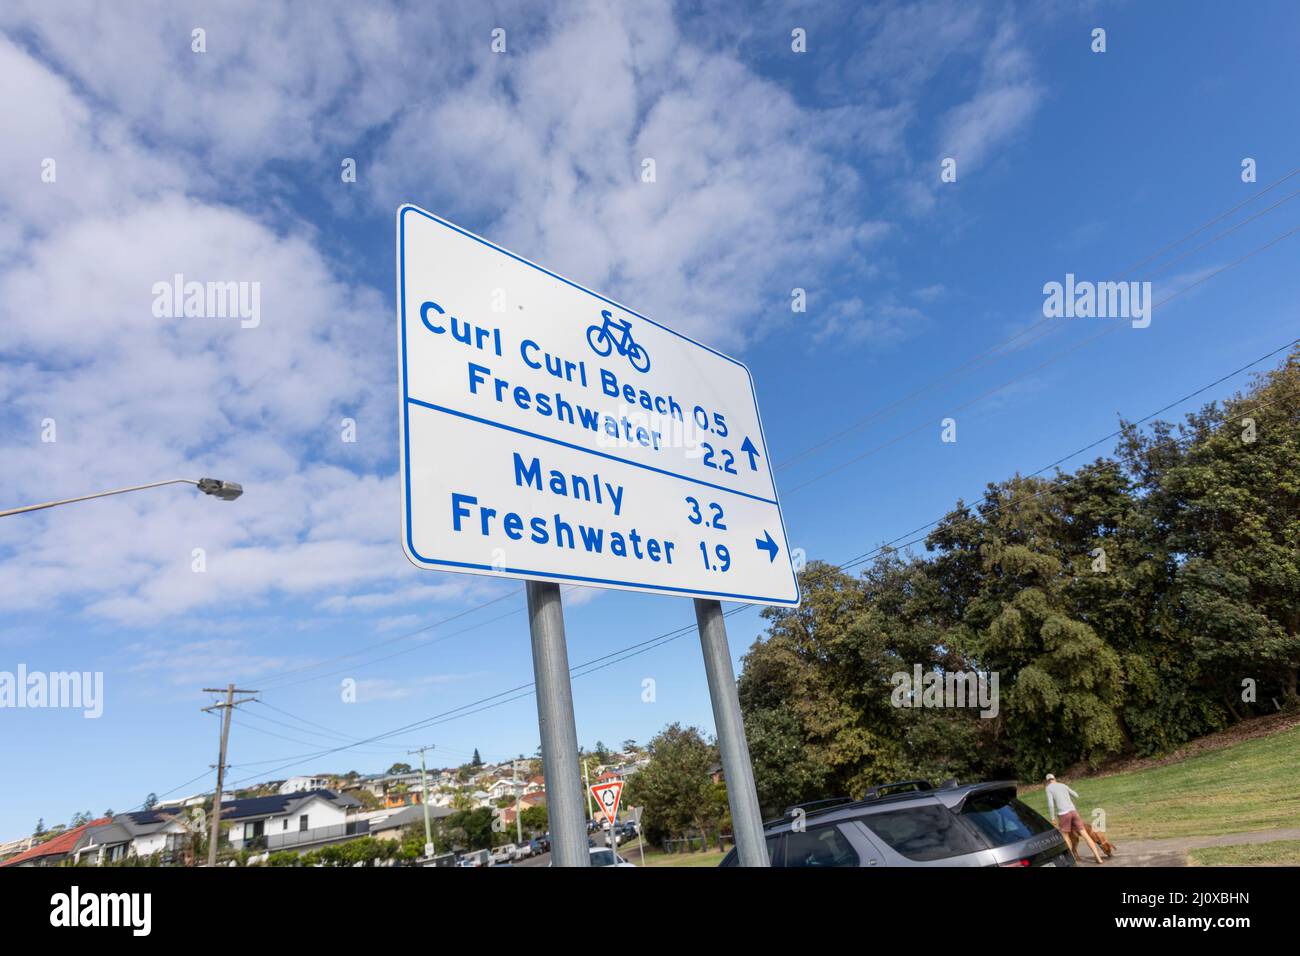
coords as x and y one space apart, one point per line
914 824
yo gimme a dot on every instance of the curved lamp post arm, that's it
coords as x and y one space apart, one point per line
225 490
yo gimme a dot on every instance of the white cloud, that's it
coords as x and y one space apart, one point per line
175 162
1003 101
372 690
545 155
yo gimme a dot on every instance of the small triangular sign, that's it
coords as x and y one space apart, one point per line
608 795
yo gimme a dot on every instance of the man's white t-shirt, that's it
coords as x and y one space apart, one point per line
1058 798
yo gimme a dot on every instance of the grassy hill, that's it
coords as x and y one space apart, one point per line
1251 785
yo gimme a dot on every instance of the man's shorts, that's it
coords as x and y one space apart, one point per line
1071 822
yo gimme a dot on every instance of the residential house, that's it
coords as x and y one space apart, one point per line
391 826
291 821
504 788
14 847
372 783
303 784
55 850
140 834
404 789
532 800
197 800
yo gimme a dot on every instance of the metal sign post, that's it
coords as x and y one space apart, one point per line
746 818
609 795
558 728
550 434
640 831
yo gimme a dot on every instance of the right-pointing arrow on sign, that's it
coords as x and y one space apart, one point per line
766 543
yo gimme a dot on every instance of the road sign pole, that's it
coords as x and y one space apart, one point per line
746 819
555 720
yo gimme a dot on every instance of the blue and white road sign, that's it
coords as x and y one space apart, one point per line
549 433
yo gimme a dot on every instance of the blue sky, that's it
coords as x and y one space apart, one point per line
775 171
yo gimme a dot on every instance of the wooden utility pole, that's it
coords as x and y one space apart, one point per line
228 707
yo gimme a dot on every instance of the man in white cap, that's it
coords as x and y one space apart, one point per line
1071 824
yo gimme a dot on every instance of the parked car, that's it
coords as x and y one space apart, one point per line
524 850
541 845
475 858
915 824
603 856
505 853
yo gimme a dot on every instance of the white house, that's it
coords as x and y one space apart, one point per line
289 820
303 784
140 834
195 801
505 788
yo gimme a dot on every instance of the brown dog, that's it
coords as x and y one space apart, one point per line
1094 839
1099 838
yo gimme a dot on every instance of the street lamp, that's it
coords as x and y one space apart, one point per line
225 490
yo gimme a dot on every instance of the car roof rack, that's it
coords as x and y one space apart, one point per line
883 791
894 789
815 805
810 808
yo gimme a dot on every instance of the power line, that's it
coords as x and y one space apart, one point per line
329 734
338 734
1046 321
271 678
1201 228
307 743
523 690
1043 331
1074 454
1110 330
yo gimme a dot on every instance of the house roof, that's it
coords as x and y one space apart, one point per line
145 822
106 835
280 803
61 845
408 816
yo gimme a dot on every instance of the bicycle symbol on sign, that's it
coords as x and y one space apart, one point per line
617 334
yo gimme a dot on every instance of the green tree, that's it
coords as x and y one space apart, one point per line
535 819
1060 683
816 695
1224 489
675 787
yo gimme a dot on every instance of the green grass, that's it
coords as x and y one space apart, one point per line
1253 785
1277 853
657 857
